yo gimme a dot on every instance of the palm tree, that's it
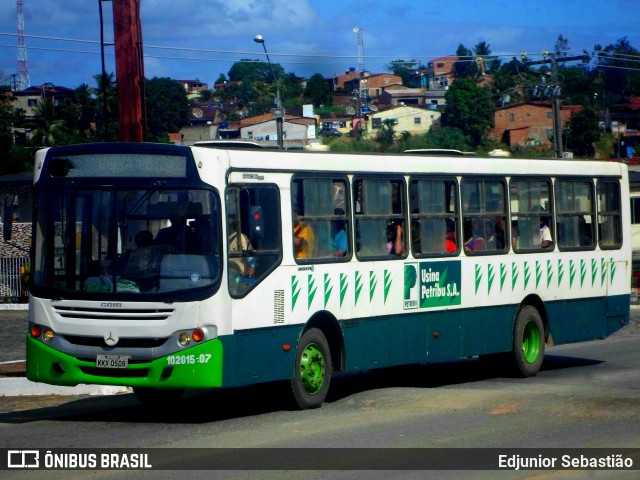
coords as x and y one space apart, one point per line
107 100
46 126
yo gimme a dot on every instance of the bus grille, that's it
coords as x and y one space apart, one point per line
112 313
122 343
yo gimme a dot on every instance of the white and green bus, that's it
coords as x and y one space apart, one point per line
166 268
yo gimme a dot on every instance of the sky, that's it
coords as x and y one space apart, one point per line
189 39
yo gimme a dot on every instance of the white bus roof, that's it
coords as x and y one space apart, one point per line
408 164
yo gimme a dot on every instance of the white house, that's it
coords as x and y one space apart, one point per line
407 118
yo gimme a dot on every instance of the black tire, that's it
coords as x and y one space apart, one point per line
528 342
152 397
312 370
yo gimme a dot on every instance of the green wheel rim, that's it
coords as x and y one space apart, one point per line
312 368
531 342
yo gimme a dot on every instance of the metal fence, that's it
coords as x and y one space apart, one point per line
11 288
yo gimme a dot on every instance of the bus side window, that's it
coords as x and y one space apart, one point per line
574 208
484 214
321 225
380 218
531 214
609 215
433 206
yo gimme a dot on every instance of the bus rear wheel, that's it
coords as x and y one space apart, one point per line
313 370
528 342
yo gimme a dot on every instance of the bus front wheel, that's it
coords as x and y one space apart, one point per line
313 370
528 342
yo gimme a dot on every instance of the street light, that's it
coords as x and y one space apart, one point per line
278 111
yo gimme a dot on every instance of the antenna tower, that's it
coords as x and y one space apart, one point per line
358 31
22 80
363 90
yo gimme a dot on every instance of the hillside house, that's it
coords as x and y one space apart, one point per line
527 122
407 118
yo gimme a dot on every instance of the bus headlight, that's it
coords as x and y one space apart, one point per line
47 335
184 339
200 334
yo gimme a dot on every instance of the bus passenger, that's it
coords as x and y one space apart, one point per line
303 237
395 244
450 239
544 233
242 266
500 232
339 244
473 240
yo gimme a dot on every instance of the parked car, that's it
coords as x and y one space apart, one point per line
330 132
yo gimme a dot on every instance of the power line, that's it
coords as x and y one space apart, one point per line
305 55
331 59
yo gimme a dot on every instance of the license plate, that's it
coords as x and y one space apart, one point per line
112 361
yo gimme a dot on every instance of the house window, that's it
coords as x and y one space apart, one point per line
549 114
32 102
417 120
376 122
512 117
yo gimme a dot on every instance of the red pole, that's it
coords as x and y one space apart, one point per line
129 74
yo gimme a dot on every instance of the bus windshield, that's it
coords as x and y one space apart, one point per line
142 241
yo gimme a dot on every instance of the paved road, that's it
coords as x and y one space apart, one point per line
586 396
13 328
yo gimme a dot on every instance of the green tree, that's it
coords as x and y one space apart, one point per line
491 62
446 137
582 132
469 108
6 121
403 68
106 95
465 67
561 47
167 108
386 133
318 90
254 70
47 128
620 70
578 85
79 113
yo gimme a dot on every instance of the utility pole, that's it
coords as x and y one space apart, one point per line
127 34
555 95
277 112
555 104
